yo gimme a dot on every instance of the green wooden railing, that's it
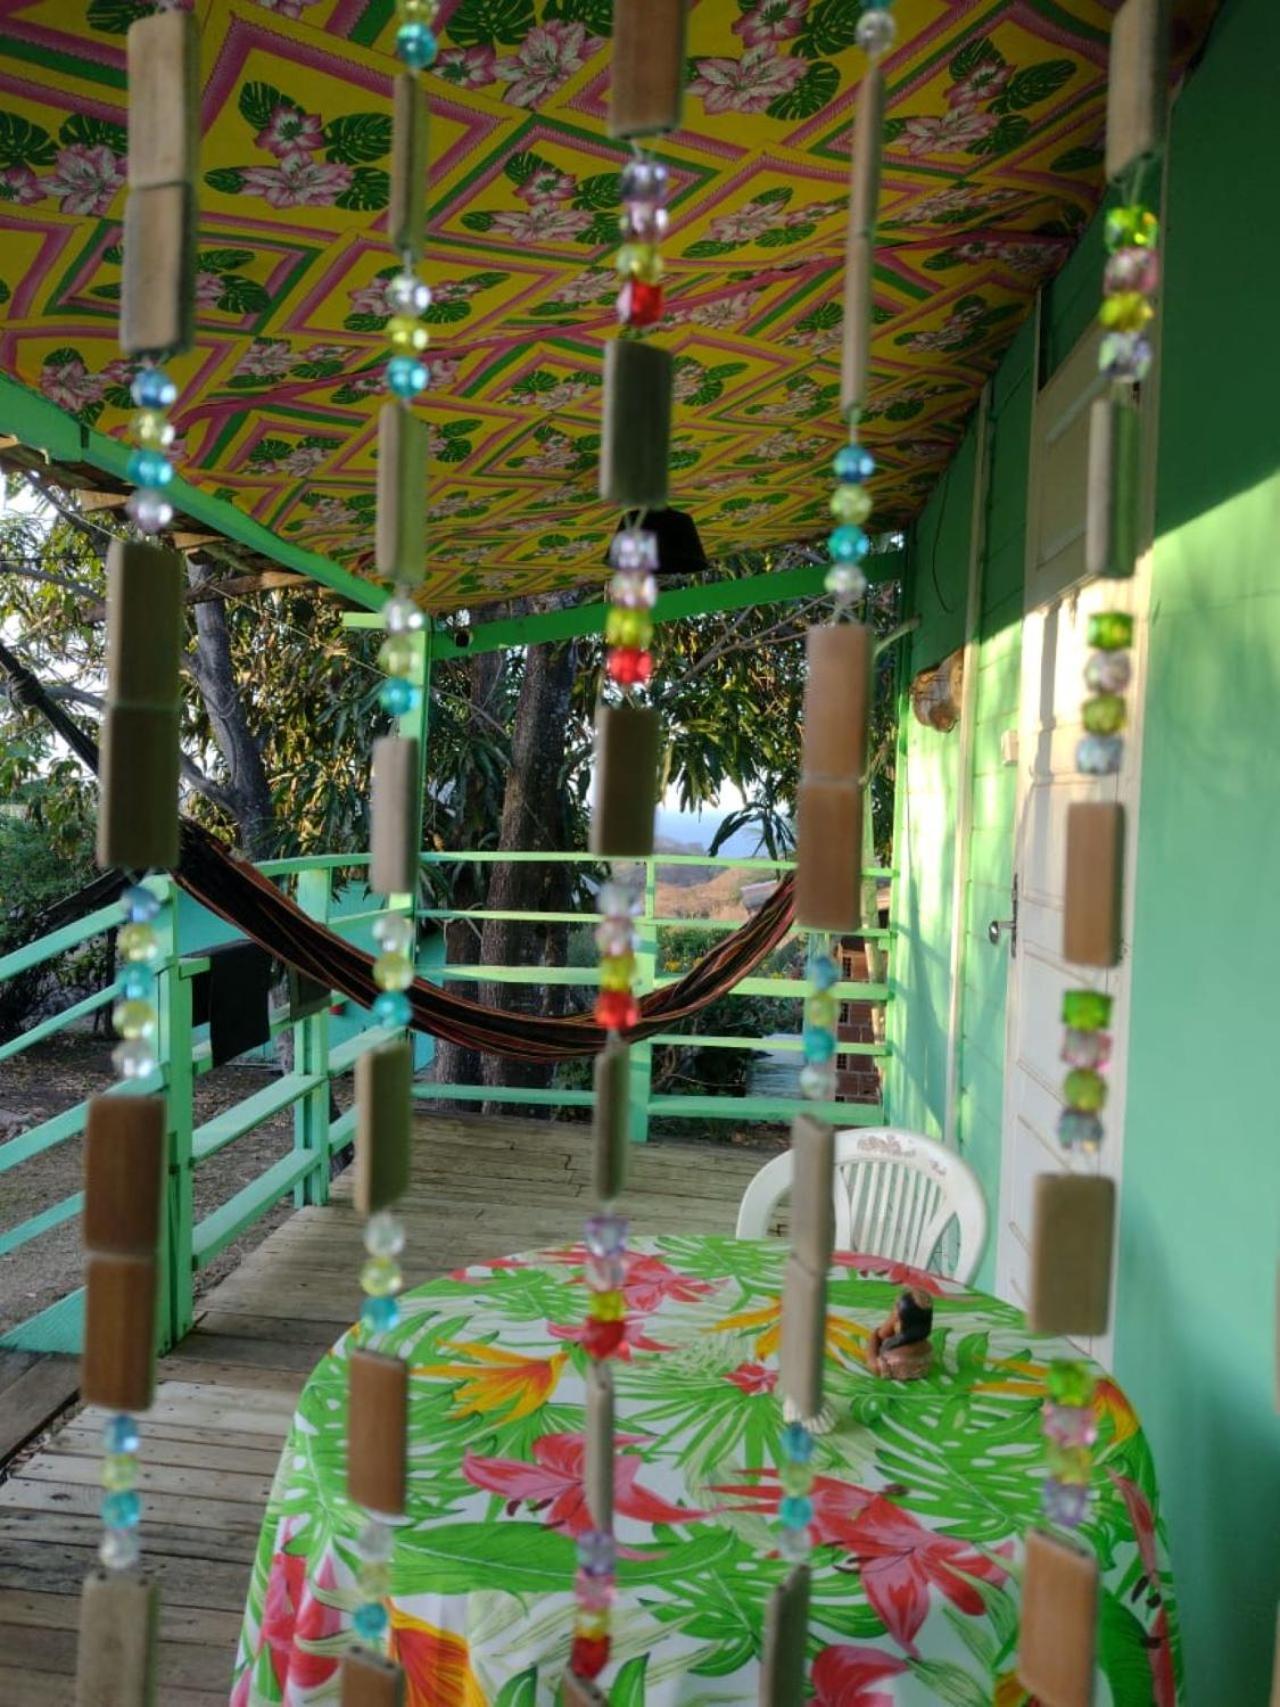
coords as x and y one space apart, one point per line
188 1245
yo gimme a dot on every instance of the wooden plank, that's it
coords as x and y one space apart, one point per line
195 1582
20 1607
43 1387
83 1530
181 1665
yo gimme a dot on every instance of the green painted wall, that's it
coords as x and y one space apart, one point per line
1200 1219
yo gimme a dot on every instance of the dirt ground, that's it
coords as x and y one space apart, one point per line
57 1074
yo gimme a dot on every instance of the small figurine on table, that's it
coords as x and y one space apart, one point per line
900 1350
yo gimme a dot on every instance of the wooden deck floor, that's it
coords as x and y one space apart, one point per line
481 1188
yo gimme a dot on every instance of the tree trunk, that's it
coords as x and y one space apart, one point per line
534 817
454 1064
248 790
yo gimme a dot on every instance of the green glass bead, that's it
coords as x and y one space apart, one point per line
640 261
1084 1088
821 1008
1069 1463
138 942
796 1478
624 627
408 336
375 1580
1131 228
119 1471
381 1277
1126 311
1110 630
418 11
1070 1382
1104 714
851 504
1086 1010
393 972
151 429
398 655
133 1019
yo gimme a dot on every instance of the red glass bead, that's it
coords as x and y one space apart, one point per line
602 1339
629 665
589 1655
640 304
616 1010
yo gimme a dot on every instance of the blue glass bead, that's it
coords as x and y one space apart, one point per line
380 1315
138 984
416 44
819 1043
823 972
140 905
1065 1503
392 1008
854 464
597 1553
1100 755
149 468
848 544
120 1434
796 1511
407 376
371 1620
153 389
797 1443
122 1511
398 696
1079 1130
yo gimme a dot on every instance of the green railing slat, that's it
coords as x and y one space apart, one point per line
59 1127
225 1225
766 1045
342 1131
242 1117
766 1108
343 1056
34 1225
57 942
57 1328
535 1096
56 1022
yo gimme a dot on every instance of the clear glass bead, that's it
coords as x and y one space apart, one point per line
1100 755
120 1434
400 615
1125 355
621 900
1108 672
153 389
795 1545
120 1549
644 222
381 1277
384 1234
818 1081
408 294
644 181
876 31
1086 1048
634 548
376 1542
614 937
597 1553
633 589
149 509
394 932
604 1274
134 1059
845 583
119 1471
594 1594
134 1019
393 972
137 942
606 1235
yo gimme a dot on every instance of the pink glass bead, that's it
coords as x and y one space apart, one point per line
1086 1048
594 1593
634 548
614 937
1108 672
1070 1425
604 1274
633 589
1132 269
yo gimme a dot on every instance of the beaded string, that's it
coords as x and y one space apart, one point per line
1130 281
848 545
381 1277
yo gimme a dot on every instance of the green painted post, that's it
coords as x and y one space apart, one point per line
311 1056
174 1058
646 970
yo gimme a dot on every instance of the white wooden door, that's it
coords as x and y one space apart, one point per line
1058 604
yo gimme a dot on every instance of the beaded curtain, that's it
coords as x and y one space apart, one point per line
992 167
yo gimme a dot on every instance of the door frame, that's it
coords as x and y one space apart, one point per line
1135 595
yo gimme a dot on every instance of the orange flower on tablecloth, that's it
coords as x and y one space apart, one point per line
1109 1401
436 1664
1009 1692
495 1378
1024 1378
841 1336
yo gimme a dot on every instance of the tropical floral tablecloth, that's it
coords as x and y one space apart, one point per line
922 1496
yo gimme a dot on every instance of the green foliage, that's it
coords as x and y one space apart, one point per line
358 137
1034 83
23 143
113 17
831 27
258 101
603 190
370 189
485 23
597 15
815 90
91 132
228 179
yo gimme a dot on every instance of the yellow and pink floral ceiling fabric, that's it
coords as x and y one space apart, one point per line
992 165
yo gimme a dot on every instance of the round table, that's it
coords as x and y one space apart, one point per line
922 1496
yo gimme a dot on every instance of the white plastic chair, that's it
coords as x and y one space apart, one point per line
896 1193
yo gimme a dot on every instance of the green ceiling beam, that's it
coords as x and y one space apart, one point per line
699 600
42 426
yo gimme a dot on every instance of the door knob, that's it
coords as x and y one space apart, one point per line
996 926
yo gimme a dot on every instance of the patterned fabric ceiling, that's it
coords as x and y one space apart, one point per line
993 151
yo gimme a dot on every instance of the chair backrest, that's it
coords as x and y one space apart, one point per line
896 1193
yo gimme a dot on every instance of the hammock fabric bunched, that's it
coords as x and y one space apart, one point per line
237 892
